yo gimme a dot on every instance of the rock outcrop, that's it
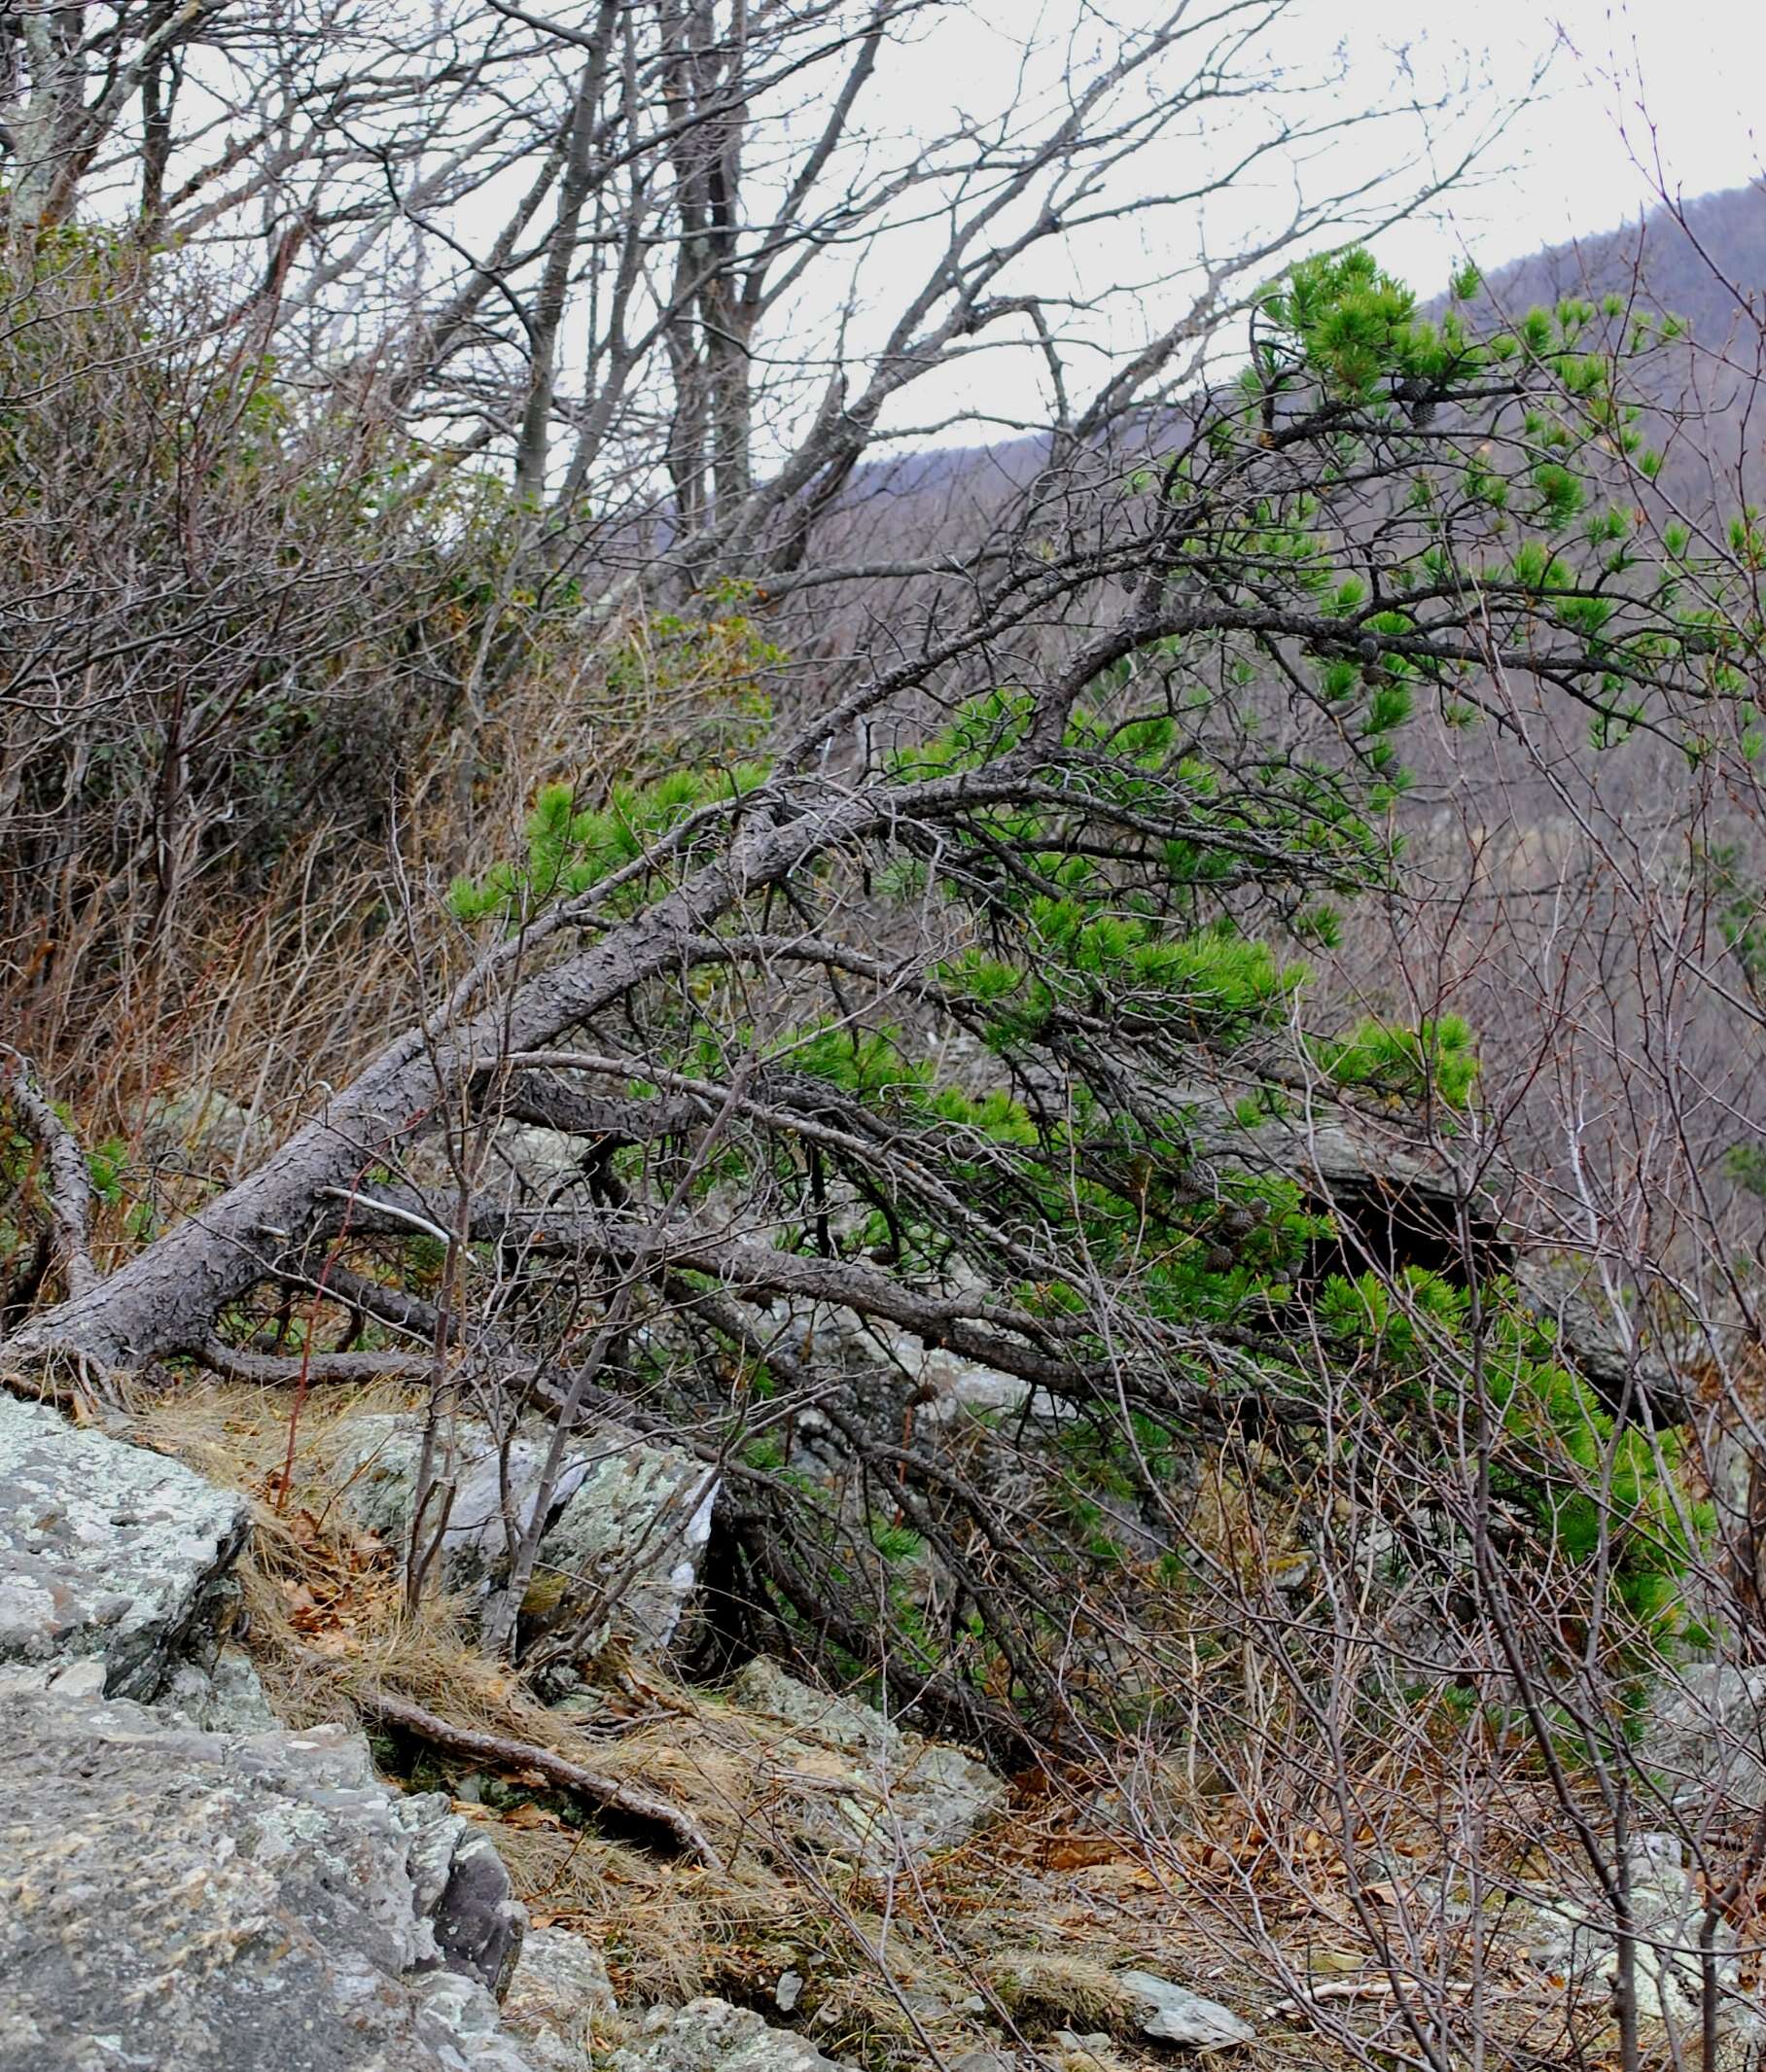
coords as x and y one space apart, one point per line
212 1900
175 1898
711 2036
1572 1936
109 1552
559 1992
1705 1735
630 1520
902 1797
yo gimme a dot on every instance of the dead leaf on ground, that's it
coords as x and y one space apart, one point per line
1077 1852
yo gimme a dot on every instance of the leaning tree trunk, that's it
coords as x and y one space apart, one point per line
165 1300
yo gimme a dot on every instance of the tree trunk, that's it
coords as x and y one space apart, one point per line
166 1298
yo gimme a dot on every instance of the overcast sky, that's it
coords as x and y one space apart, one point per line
1683 76
1693 70
1655 83
1634 90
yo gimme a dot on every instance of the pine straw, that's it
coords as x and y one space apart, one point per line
1017 1935
328 1627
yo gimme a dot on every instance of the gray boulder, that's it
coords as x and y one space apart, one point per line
1173 2014
559 1994
201 1131
111 1552
1706 1736
903 1797
1572 1936
630 1520
225 1698
711 2036
175 1898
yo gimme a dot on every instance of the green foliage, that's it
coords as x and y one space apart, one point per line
1434 1060
983 730
895 1542
1078 953
569 850
1608 1500
1354 325
1744 1165
1740 907
107 1163
1113 874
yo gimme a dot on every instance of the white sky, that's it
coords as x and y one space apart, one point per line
1677 77
1631 86
1630 80
1635 84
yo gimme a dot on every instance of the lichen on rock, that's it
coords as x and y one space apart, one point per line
630 1518
710 2035
110 1551
234 1903
906 1796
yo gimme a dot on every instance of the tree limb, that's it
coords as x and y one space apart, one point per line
596 1786
68 1191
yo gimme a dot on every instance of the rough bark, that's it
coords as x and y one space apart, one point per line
165 1299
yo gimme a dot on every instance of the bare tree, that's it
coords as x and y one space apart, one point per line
901 957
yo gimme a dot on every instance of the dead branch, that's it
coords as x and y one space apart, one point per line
68 1188
601 1791
233 1364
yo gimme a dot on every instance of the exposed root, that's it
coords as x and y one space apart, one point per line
85 1387
600 1790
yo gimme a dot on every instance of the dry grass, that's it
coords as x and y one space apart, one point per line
1017 1936
1045 1990
328 1629
263 991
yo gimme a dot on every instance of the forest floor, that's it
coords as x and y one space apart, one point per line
1011 1945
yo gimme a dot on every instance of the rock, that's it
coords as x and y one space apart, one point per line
542 1161
226 1698
945 1386
197 1126
109 1551
1173 2014
559 1991
1572 1938
1705 1735
1393 1196
462 1887
712 2036
631 1523
1614 1356
909 1796
634 1530
789 1991
954 1384
175 1898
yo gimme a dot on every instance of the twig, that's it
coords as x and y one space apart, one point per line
1353 1989
68 1192
395 1209
555 1768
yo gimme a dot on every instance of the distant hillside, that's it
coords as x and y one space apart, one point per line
1707 266
1704 264
1700 265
